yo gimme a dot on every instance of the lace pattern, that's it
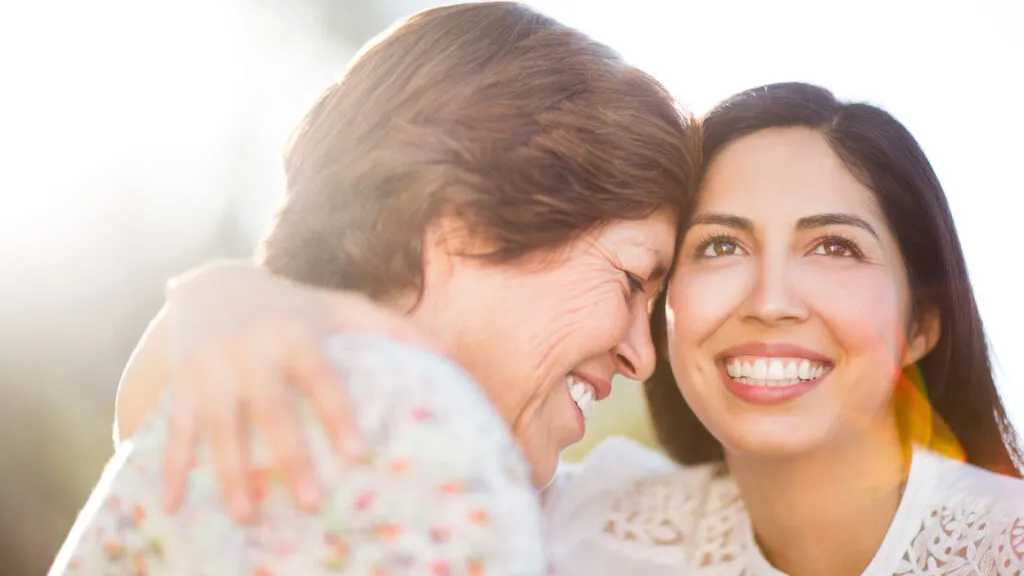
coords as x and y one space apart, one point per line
694 518
968 537
956 520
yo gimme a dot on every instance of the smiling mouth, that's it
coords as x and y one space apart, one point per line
583 394
774 372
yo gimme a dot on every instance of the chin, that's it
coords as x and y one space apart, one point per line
542 473
774 438
768 447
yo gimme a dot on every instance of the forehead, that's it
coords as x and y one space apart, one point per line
783 172
655 234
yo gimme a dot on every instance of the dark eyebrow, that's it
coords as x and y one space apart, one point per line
820 220
726 220
805 223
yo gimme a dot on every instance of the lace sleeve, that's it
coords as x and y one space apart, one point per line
968 536
970 521
443 490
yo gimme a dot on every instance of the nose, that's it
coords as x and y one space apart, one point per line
634 354
773 297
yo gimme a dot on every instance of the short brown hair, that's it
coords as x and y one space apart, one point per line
526 129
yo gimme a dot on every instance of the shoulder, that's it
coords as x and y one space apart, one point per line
967 486
612 465
439 455
392 364
442 479
414 406
969 517
632 508
614 460
401 391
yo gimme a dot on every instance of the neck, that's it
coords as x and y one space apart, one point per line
825 511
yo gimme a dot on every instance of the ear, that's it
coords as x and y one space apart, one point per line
439 242
437 268
445 242
924 335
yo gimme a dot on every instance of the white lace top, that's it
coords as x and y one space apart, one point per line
628 510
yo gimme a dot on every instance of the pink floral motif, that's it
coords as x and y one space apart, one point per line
426 499
364 500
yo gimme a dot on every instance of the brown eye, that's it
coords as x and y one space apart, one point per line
719 247
836 248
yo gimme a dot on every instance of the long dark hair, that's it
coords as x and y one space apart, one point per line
956 376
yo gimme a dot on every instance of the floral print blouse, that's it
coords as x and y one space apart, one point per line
443 490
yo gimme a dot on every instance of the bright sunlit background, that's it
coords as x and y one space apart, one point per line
140 138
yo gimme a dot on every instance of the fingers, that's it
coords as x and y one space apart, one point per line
182 435
248 337
221 420
272 410
311 371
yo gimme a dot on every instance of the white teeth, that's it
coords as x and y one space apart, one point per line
577 390
734 368
582 394
586 403
773 372
804 372
791 371
760 369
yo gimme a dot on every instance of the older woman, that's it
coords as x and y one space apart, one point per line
509 186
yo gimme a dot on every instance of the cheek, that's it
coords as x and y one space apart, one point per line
547 326
580 326
864 308
580 319
700 300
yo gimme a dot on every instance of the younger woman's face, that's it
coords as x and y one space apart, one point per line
789 310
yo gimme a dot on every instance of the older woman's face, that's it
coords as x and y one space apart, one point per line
544 338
